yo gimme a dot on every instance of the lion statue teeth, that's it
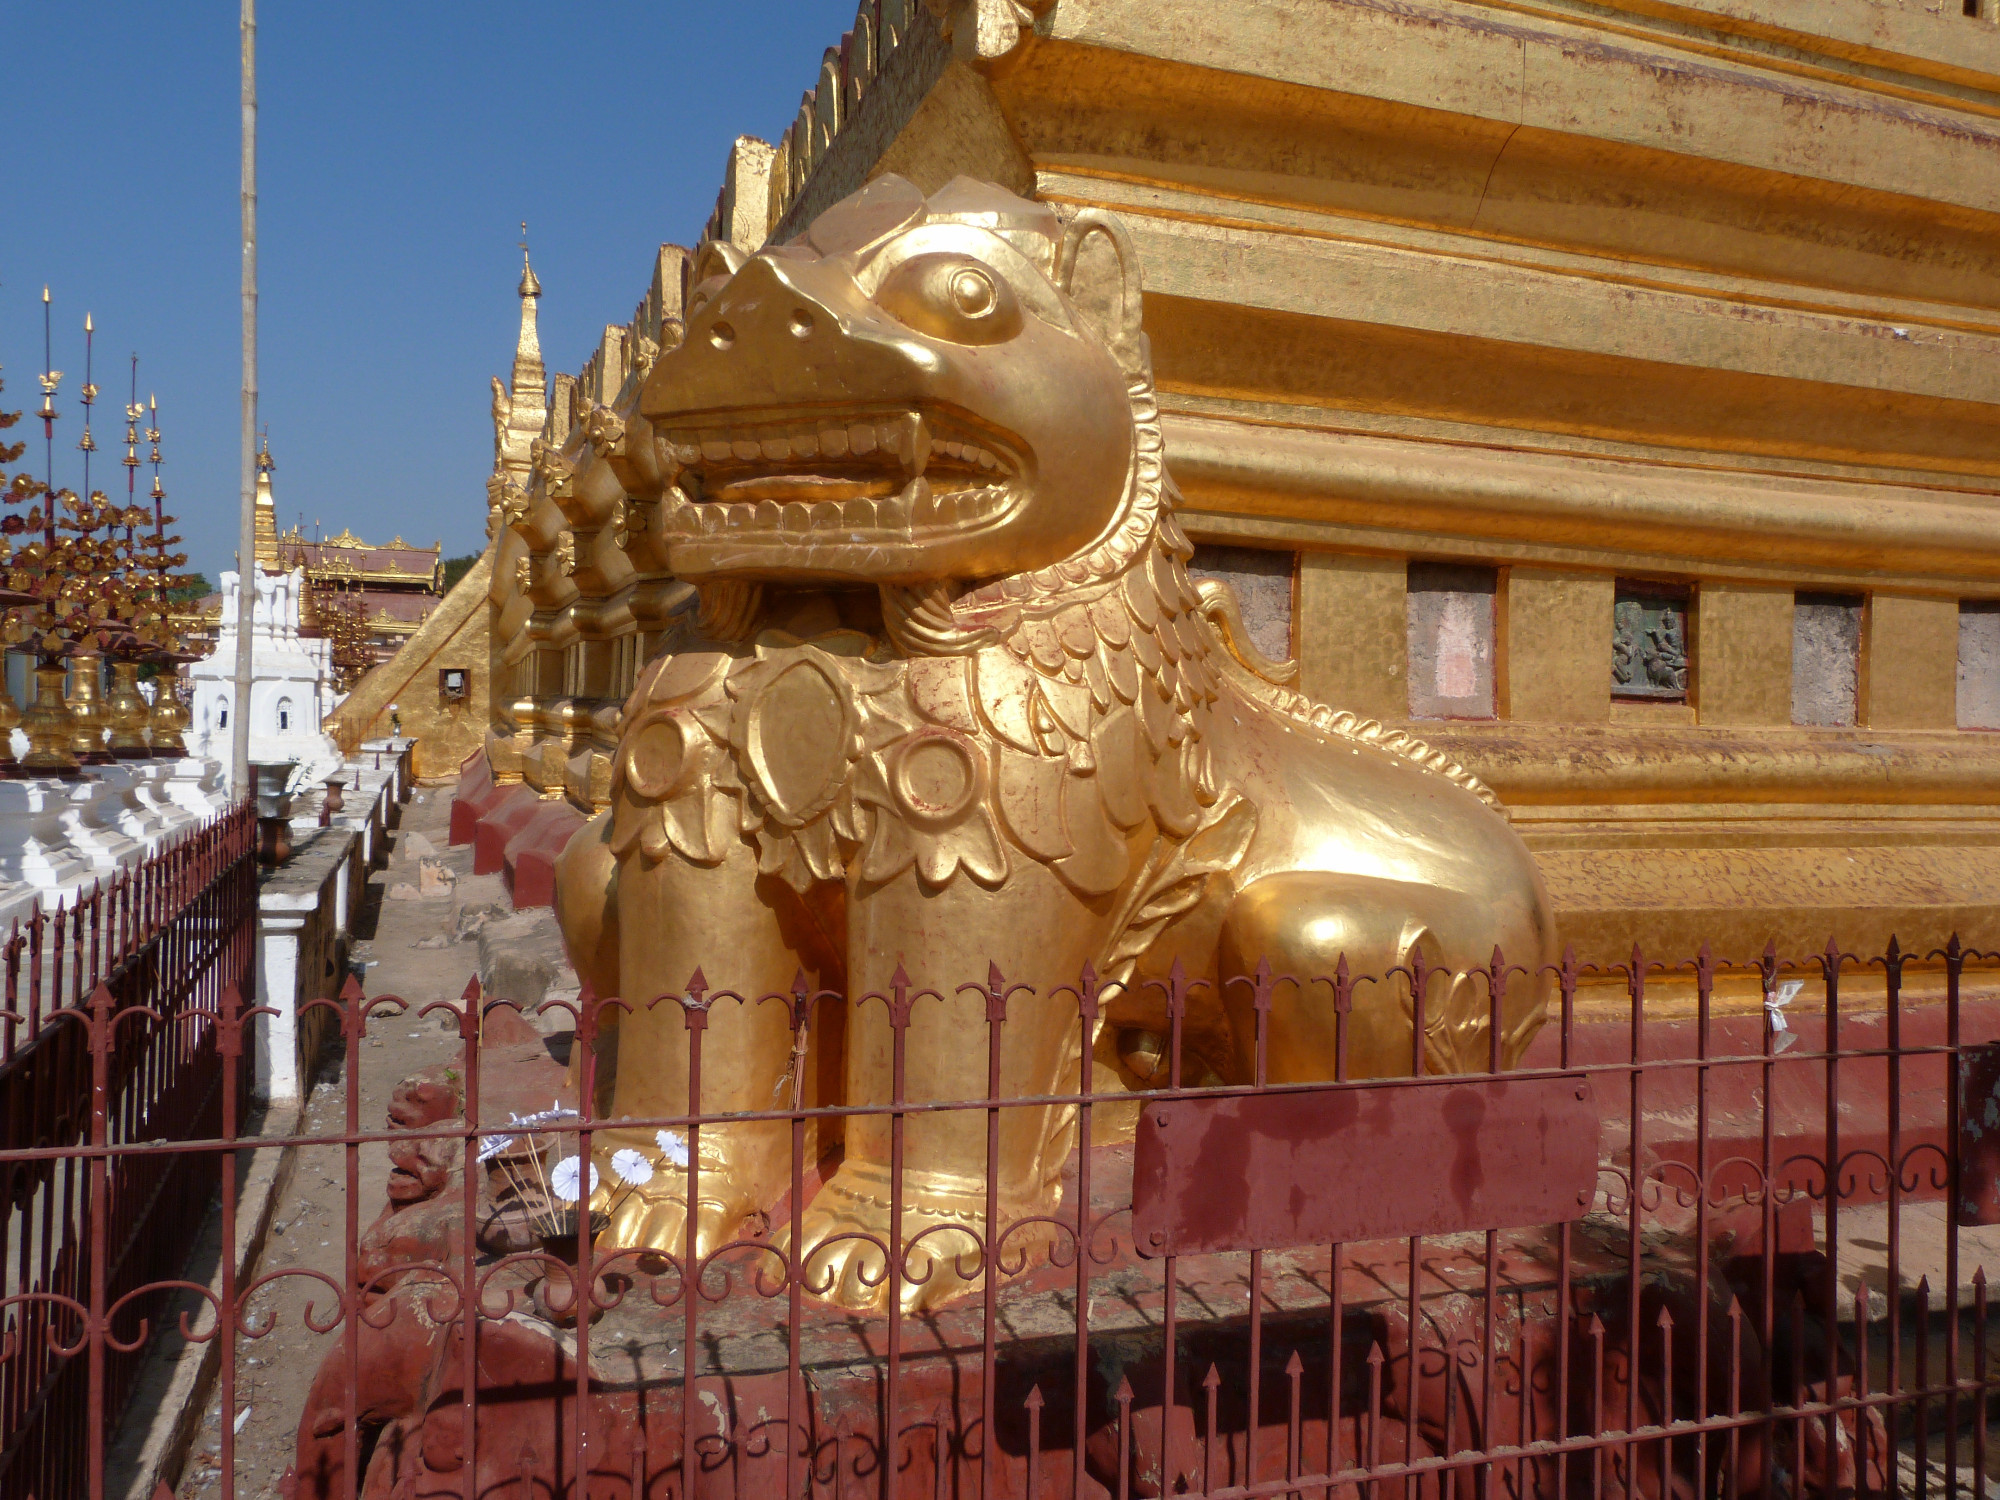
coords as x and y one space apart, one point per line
950 699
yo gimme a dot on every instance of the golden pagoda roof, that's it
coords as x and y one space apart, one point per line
348 540
350 559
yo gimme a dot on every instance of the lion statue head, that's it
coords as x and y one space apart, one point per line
888 399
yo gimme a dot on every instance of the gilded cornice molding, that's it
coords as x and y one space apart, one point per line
1572 765
1285 473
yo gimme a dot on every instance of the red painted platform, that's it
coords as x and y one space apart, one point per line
514 833
1680 1099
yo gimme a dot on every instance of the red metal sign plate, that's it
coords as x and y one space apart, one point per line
1345 1163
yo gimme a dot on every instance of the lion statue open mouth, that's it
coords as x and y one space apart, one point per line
952 700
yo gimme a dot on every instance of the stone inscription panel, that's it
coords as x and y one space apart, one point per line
1262 578
1649 642
1451 633
1979 664
1826 658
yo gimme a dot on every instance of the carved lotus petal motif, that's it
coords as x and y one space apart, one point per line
683 675
934 787
796 734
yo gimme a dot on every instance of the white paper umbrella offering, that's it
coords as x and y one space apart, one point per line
566 1179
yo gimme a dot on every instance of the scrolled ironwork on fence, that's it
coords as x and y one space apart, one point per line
1671 1252
111 1051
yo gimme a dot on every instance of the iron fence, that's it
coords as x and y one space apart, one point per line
1715 1250
109 1050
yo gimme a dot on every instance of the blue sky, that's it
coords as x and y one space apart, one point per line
400 146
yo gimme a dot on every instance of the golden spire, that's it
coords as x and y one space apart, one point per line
267 512
528 349
520 408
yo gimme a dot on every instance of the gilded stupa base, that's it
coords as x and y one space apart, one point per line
10 720
168 721
49 727
90 715
503 756
129 713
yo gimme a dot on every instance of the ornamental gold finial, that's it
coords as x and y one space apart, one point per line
89 394
133 412
530 287
153 437
50 376
169 717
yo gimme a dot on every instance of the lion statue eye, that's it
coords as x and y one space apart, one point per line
952 297
973 292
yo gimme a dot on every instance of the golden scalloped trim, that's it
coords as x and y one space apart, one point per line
1397 742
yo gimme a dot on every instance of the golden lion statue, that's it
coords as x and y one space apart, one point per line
952 698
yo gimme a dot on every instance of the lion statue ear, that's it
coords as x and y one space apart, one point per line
1098 270
714 258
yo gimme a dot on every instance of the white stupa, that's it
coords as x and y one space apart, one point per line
291 684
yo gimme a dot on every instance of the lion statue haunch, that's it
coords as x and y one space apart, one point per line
952 700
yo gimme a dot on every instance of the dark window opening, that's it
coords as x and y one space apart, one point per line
1979 664
1826 658
1450 640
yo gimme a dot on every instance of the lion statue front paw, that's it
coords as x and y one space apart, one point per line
642 1188
846 1230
